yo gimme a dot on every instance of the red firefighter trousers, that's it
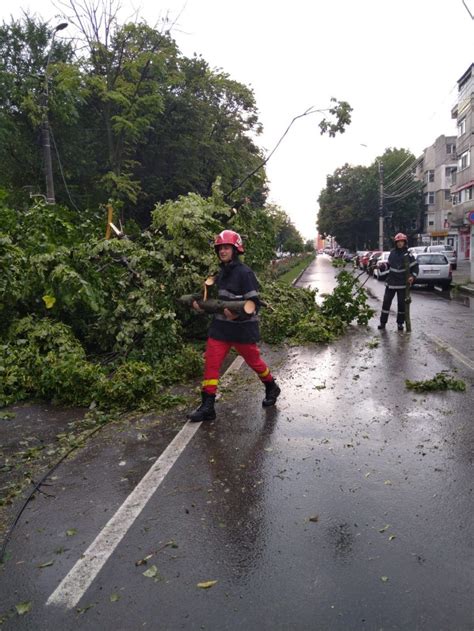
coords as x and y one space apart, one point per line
216 351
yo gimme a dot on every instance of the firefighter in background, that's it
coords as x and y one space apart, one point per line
235 281
396 283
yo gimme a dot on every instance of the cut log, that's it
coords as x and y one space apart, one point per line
239 307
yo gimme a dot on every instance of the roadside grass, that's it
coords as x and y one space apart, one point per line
289 276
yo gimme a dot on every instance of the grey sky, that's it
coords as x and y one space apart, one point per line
396 63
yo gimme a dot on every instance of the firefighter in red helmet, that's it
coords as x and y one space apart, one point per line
395 274
235 281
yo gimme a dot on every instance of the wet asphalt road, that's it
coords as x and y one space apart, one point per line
348 506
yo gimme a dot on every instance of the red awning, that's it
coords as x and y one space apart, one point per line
463 186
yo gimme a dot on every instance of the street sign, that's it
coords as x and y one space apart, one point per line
470 216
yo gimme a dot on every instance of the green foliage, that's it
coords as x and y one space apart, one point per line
13 267
440 382
86 319
289 268
42 359
287 306
131 384
341 118
288 239
294 315
133 118
349 204
347 302
316 328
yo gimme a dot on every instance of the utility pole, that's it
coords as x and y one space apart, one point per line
45 135
380 205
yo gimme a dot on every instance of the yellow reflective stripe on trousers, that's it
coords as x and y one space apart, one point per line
210 382
264 373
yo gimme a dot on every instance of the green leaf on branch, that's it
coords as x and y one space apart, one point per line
440 382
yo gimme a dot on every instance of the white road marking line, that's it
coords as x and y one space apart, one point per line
451 350
74 585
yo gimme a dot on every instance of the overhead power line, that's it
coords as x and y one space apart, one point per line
398 167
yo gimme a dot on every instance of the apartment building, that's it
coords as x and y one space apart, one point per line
462 217
436 169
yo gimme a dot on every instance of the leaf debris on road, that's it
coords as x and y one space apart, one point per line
206 584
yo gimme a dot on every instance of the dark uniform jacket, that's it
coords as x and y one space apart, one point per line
395 273
236 281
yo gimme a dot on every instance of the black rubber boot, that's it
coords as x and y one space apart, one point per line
400 327
381 326
206 411
272 392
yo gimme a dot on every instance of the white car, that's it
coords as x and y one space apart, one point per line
434 269
417 249
381 265
447 250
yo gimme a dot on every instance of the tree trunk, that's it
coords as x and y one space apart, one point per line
239 307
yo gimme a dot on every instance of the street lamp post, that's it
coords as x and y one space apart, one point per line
45 134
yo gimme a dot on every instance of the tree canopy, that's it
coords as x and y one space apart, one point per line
349 204
132 118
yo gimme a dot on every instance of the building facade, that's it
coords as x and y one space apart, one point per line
436 169
463 184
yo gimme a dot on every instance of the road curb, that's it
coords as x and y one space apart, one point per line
293 282
465 289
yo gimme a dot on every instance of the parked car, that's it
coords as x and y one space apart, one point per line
447 250
349 256
372 261
417 249
434 269
360 255
380 265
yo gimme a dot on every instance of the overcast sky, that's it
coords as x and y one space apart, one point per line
397 63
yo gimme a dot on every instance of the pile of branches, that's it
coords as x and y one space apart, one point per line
295 316
84 319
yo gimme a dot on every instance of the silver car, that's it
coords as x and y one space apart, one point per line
434 269
447 250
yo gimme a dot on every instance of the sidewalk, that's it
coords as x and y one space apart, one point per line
461 277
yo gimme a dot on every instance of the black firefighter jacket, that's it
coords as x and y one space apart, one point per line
236 281
395 272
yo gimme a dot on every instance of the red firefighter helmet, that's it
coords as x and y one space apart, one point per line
229 237
400 237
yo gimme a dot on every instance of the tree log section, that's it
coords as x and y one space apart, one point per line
246 307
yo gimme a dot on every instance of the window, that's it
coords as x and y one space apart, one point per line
464 160
462 127
450 149
465 195
431 196
447 195
432 259
431 223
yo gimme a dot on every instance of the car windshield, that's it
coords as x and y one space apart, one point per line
437 248
432 259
